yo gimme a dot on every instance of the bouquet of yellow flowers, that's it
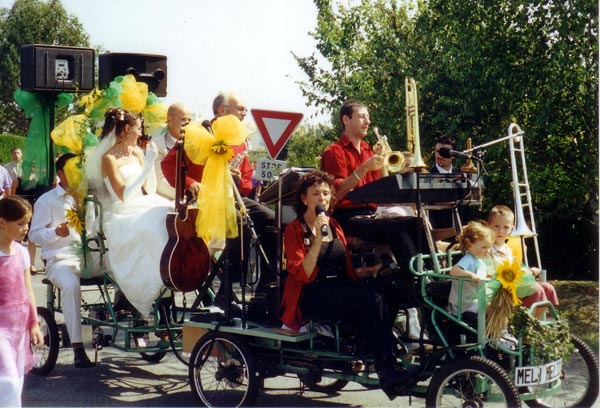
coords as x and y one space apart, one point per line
504 298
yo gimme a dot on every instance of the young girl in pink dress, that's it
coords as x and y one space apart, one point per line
18 319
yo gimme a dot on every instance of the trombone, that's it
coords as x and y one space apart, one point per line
412 125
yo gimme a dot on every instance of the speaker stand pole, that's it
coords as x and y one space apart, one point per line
51 100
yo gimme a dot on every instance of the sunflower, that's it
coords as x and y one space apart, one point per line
74 220
509 274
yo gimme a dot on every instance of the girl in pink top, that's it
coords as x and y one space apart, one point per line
18 319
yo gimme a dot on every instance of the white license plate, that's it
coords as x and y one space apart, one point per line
525 376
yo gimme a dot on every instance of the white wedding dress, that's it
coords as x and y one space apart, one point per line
136 236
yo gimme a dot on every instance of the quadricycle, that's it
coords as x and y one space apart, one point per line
230 352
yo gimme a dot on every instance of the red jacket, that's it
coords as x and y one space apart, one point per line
194 171
295 251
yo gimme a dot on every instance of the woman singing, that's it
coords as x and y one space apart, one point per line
322 283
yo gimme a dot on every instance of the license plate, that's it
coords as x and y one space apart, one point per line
525 376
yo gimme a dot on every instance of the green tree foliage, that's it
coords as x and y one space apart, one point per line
307 144
7 143
363 55
481 65
30 22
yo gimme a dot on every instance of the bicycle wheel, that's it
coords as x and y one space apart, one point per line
45 357
323 384
223 372
472 382
578 382
154 357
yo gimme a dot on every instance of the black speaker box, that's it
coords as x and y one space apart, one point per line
148 68
56 68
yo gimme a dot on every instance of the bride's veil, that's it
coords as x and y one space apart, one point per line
94 163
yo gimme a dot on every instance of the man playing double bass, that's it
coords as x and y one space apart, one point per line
227 103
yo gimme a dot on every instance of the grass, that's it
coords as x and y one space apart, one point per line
579 305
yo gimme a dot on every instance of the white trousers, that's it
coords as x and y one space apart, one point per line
65 273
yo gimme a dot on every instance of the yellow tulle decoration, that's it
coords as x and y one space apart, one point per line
68 133
217 218
134 94
75 177
87 102
155 116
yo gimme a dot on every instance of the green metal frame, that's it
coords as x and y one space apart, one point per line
417 267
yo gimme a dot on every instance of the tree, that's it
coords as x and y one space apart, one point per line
534 63
480 66
307 144
363 55
30 22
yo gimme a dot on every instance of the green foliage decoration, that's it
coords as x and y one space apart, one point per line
549 341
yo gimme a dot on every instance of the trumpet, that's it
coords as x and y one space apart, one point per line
412 125
469 167
394 160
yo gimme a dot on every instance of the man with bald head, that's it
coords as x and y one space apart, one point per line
165 138
228 103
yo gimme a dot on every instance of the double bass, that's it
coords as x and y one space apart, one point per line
185 261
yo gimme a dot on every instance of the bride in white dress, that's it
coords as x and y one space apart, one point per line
134 216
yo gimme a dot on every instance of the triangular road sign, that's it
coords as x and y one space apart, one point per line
275 128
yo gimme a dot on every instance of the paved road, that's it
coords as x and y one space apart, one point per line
125 379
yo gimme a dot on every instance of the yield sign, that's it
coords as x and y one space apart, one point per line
275 128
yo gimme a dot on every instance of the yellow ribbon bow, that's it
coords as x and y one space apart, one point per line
216 219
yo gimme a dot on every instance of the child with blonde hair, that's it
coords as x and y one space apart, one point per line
18 319
501 220
475 241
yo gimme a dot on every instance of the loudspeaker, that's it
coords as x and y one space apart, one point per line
55 68
147 68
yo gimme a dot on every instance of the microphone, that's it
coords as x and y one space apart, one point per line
207 125
448 153
319 209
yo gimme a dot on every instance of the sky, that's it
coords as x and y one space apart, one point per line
244 46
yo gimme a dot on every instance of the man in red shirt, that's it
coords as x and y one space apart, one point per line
353 163
227 103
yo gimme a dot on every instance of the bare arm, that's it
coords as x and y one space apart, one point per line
350 182
310 260
111 170
463 273
36 334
